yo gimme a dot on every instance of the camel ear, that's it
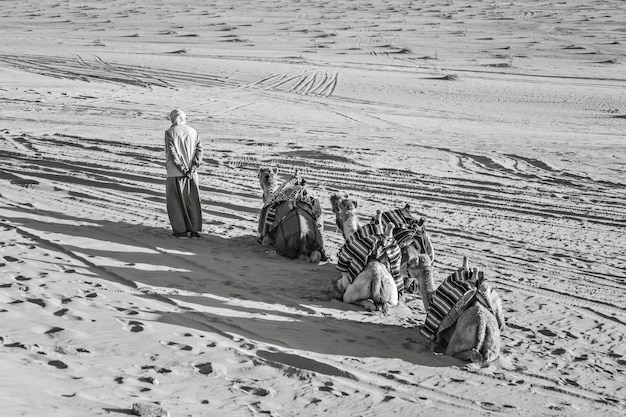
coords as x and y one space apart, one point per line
465 264
335 199
275 170
355 204
481 279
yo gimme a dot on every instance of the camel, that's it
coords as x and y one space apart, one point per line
373 288
475 335
289 219
417 254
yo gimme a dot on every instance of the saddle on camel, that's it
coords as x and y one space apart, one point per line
290 218
465 317
382 259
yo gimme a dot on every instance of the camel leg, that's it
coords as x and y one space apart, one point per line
359 293
368 305
360 289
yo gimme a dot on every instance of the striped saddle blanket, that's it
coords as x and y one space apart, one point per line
370 243
451 298
408 231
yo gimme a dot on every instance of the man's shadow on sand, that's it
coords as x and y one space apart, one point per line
228 285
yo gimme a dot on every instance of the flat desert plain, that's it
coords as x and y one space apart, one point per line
500 122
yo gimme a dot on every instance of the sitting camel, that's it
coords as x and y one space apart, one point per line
289 219
373 288
371 259
465 317
415 247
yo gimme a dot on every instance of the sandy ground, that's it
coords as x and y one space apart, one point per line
502 123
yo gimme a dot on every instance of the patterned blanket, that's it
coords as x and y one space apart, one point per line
292 191
367 243
408 230
452 297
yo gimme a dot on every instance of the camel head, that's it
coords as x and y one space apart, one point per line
347 207
343 207
335 199
267 181
347 218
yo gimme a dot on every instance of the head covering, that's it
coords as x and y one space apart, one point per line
178 116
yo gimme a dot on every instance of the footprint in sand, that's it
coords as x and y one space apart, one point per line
54 330
37 301
22 278
177 346
204 368
63 313
131 325
9 258
261 392
257 409
156 369
491 406
329 387
58 364
547 332
16 345
127 311
149 380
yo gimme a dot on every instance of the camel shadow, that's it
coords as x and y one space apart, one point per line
227 285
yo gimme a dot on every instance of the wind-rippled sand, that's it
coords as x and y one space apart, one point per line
502 124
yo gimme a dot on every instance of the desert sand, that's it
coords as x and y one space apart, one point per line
501 123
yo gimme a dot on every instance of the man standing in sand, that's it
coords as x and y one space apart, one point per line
183 156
